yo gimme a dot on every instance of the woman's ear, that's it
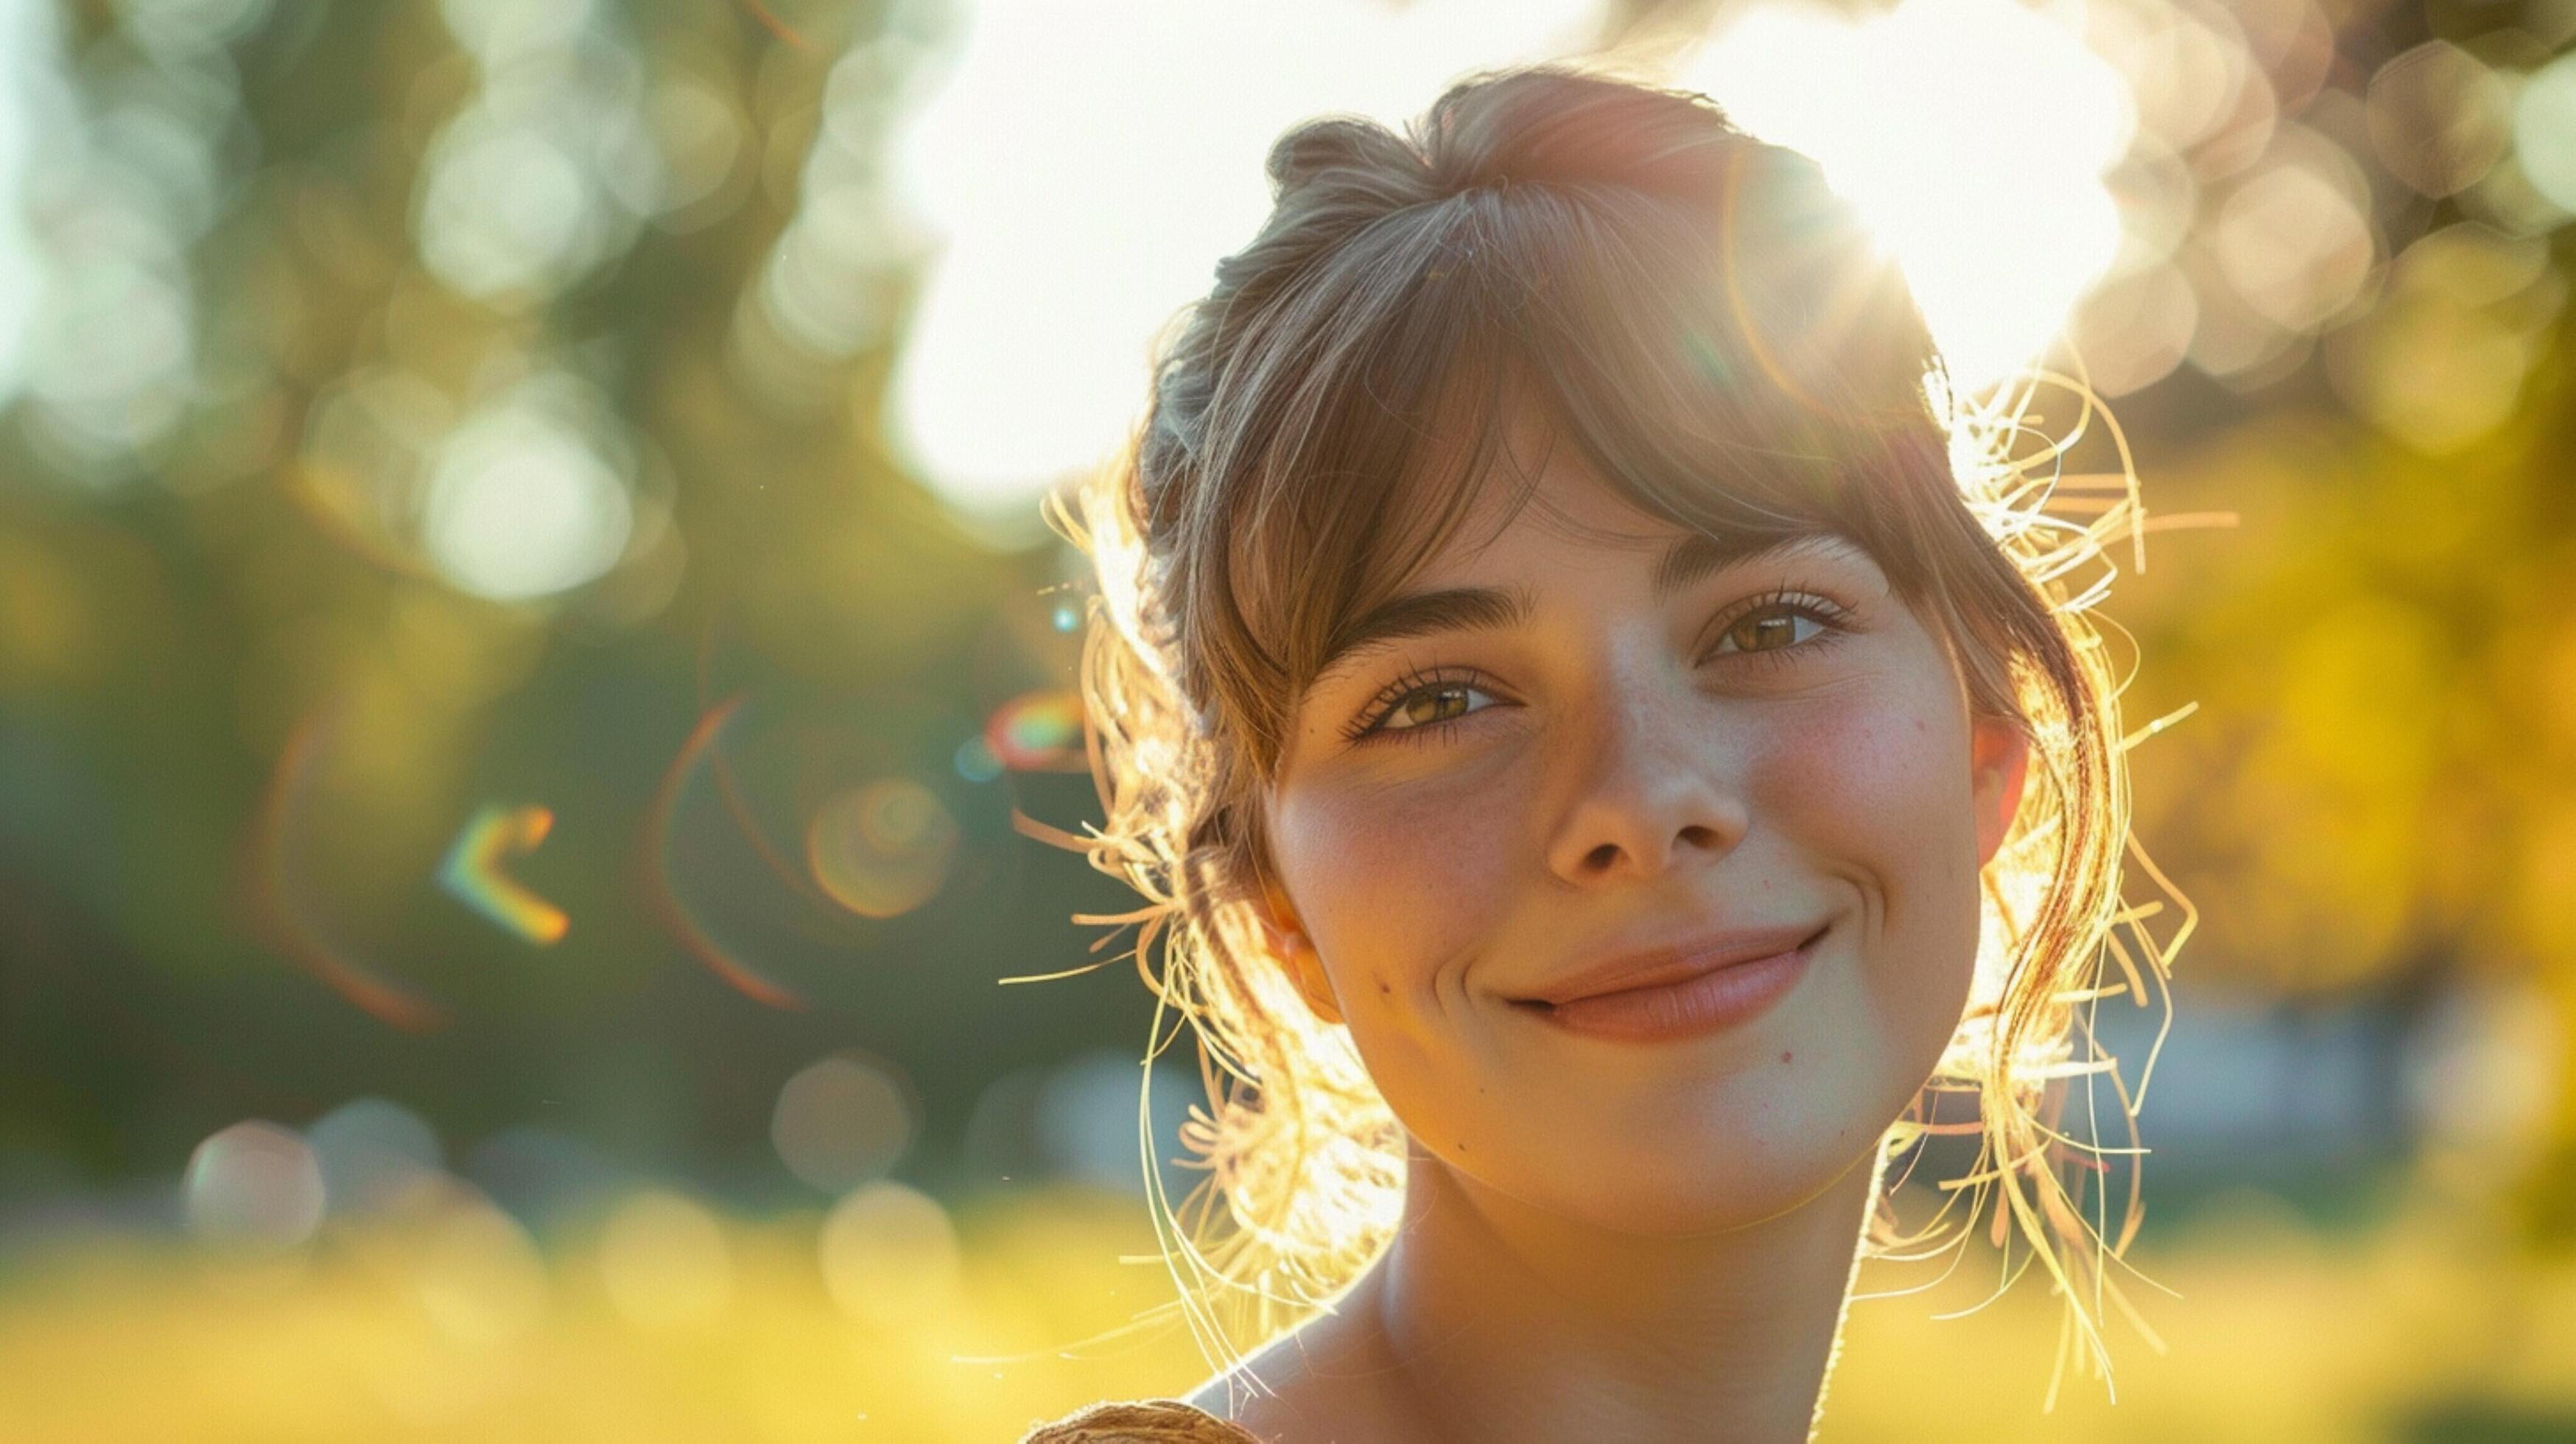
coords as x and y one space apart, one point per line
1999 762
1297 952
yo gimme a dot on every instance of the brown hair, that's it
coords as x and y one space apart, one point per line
1706 323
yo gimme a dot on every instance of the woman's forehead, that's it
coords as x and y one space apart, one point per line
1539 502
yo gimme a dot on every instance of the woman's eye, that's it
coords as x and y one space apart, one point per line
1771 628
1428 706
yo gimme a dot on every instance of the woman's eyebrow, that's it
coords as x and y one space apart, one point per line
1494 609
1419 614
1700 554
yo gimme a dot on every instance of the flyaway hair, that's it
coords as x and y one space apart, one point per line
1710 327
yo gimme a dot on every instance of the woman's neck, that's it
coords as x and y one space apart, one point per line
1488 1320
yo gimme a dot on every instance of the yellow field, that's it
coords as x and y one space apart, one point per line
450 1324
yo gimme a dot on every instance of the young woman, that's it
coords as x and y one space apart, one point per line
1605 740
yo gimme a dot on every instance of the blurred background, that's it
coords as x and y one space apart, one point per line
524 623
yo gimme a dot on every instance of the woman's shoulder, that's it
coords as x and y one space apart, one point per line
1140 1421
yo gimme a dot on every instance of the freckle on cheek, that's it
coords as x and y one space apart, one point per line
1784 1056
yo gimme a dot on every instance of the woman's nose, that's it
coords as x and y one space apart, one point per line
1649 790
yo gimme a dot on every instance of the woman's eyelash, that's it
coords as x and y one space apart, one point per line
1827 613
1402 690
1831 616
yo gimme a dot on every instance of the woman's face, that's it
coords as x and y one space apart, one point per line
1570 754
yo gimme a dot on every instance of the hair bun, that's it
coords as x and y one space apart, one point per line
1349 144
1569 124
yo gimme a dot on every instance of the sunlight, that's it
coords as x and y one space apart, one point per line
1084 167
1971 134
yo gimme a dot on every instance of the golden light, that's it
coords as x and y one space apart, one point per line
1972 135
1084 167
2439 362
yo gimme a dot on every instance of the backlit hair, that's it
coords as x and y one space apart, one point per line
1708 326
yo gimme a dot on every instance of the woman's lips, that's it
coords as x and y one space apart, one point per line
1703 1003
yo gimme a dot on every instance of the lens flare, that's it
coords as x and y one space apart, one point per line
276 903
737 803
666 904
883 849
1996 244
975 762
472 873
1037 732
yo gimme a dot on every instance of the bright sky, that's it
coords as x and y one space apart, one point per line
1972 134
1088 165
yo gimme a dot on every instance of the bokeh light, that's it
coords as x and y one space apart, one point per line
2544 131
2291 235
254 1185
890 1256
523 500
478 1275
549 169
2133 331
665 1261
374 1155
841 1121
2482 1079
122 179
2439 117
2440 363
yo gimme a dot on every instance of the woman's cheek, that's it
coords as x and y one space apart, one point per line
1389 878
1864 770
1874 787
1874 779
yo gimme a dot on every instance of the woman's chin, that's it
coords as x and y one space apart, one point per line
1679 1203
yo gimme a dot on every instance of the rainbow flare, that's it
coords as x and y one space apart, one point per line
472 873
1038 732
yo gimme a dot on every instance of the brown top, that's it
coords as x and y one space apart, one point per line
1140 1421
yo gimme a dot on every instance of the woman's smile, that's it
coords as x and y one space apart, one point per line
1685 994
